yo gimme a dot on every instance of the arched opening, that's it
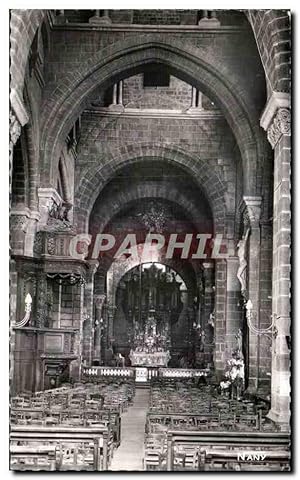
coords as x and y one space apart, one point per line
20 173
181 64
152 302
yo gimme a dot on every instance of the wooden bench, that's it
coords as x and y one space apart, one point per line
27 416
214 460
231 442
174 421
24 458
79 448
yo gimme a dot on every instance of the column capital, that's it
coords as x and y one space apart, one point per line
252 211
276 118
93 266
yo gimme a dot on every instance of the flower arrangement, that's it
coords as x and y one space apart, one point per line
225 385
236 371
235 375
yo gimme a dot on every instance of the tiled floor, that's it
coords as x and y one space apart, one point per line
129 455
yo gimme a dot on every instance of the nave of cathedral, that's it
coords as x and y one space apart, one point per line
150 240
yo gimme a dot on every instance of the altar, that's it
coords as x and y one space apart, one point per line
145 359
151 347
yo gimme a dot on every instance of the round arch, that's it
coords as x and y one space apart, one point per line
119 267
142 190
97 176
192 64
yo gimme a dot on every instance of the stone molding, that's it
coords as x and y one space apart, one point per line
19 219
49 193
128 112
19 222
18 107
14 129
276 118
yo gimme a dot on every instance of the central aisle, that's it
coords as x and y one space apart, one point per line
129 456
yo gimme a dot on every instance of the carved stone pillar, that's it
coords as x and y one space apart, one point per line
276 120
41 301
252 213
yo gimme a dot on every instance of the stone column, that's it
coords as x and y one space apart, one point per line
209 19
117 98
194 93
234 312
276 121
75 366
199 100
18 117
120 99
99 324
209 291
88 340
220 317
196 101
252 215
100 20
209 303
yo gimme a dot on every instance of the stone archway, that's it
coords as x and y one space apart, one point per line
117 61
97 176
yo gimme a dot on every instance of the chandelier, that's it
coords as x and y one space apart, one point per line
154 218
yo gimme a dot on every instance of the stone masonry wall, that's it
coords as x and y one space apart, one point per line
210 139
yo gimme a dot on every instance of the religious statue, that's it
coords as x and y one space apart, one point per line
120 360
242 270
239 338
58 216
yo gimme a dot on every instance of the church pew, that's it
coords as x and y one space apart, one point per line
36 458
213 460
80 448
175 421
236 442
87 418
155 451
